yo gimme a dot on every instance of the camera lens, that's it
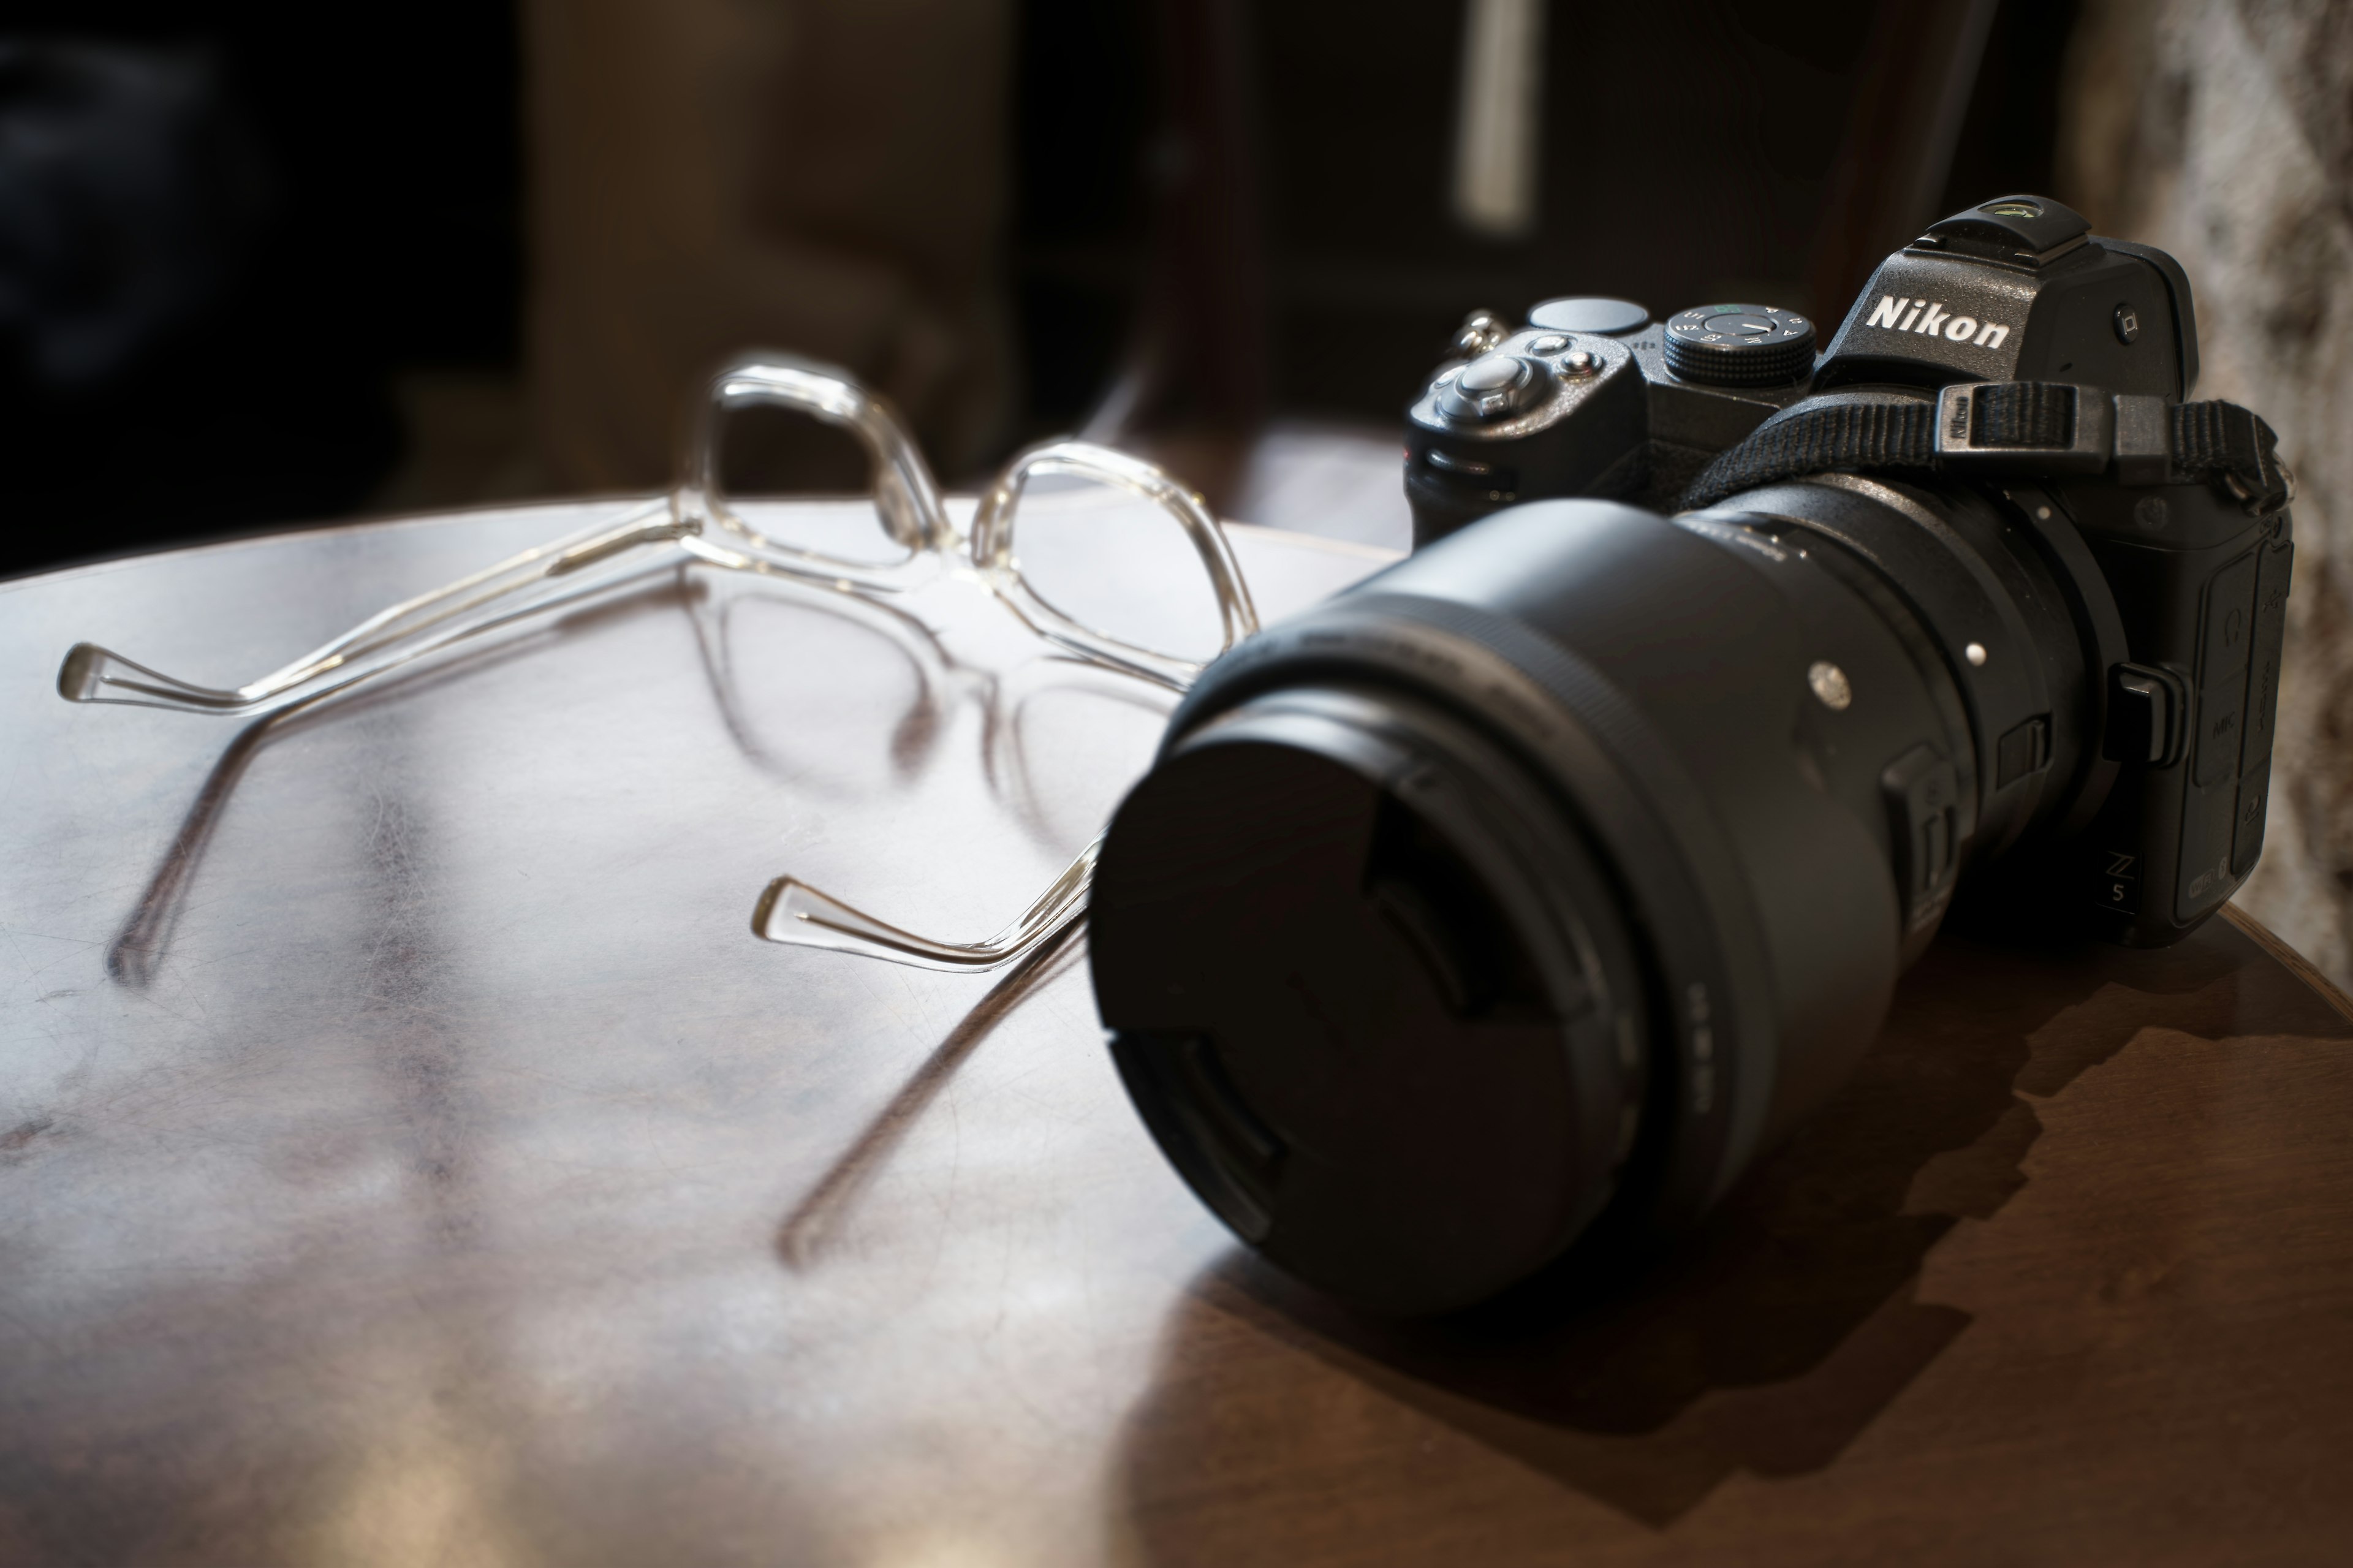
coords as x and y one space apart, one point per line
1527 891
1386 1022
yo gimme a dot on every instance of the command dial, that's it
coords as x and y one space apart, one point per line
1739 345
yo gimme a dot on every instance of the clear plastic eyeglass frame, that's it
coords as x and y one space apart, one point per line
696 523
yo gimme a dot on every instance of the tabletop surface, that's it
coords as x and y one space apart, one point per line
407 1155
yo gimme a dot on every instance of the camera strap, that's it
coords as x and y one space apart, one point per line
2026 428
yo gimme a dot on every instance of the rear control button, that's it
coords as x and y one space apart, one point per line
2203 875
2222 718
2263 653
2247 831
2230 621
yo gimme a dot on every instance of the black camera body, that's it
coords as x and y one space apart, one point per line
1619 405
2188 629
1503 909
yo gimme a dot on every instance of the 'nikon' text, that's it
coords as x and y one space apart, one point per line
1928 319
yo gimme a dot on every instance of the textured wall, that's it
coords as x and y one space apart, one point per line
2222 130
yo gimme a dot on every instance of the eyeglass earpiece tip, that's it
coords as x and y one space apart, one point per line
792 912
83 674
775 909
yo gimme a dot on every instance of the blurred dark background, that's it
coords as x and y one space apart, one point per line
262 267
225 233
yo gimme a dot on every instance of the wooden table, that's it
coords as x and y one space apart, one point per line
407 1155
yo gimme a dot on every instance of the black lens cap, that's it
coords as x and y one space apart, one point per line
1358 1004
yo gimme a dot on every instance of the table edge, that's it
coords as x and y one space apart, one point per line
270 534
2295 963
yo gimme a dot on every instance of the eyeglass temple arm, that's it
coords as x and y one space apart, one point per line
496 595
471 604
904 489
792 912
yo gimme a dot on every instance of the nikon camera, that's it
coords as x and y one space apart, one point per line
1504 907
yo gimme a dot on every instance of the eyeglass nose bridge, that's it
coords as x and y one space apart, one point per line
905 494
991 548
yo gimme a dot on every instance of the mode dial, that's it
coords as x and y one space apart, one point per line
1739 345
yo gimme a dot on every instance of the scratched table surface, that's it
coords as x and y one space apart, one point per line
409 1155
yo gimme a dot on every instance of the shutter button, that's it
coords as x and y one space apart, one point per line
1490 387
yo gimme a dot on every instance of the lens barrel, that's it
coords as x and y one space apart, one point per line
1530 890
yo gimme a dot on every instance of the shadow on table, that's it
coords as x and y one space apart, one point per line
139 948
1766 1342
804 1234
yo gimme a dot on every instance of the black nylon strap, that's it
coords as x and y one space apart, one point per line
2223 443
1842 436
2022 414
2218 443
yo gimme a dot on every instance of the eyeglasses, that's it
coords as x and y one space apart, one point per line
898 537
